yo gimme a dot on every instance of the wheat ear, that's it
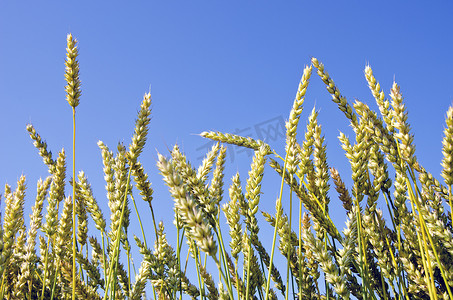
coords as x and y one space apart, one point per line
73 93
234 139
447 161
343 104
11 226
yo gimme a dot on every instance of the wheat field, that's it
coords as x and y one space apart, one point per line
407 255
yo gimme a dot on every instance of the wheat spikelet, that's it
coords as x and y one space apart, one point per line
107 160
121 170
310 202
291 124
92 271
206 166
383 104
141 182
64 231
253 271
207 279
234 139
91 204
306 150
321 167
375 229
73 91
140 281
82 217
253 188
12 225
325 260
400 123
189 213
30 257
195 186
342 190
42 148
56 194
333 90
140 131
447 151
215 189
98 254
231 210
82 290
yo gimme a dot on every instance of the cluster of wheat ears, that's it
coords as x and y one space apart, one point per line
407 255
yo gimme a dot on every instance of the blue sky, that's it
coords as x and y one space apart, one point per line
212 65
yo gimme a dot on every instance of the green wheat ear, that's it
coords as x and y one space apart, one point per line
73 93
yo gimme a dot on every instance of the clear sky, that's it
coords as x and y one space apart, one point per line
232 66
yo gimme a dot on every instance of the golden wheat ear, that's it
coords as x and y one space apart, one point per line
73 93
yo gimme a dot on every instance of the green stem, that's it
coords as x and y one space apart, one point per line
178 257
140 221
426 231
201 286
73 206
45 269
54 285
129 266
450 202
300 249
277 219
249 255
237 278
223 256
290 246
230 292
104 266
154 219
360 244
114 260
